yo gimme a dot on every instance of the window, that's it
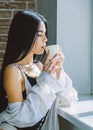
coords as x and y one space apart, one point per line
74 34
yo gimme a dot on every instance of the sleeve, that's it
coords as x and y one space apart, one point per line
36 105
68 95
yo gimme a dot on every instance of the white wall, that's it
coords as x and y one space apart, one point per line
92 41
74 35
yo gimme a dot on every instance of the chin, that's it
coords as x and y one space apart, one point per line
40 53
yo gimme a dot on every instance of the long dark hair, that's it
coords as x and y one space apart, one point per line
21 34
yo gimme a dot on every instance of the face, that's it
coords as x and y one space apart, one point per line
40 40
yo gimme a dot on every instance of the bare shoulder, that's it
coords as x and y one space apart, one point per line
12 83
11 71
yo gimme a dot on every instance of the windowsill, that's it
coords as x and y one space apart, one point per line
79 114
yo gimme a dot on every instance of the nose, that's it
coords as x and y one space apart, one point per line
45 38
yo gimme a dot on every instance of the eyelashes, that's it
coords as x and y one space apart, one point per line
39 35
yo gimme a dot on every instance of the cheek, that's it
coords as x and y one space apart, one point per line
38 47
38 43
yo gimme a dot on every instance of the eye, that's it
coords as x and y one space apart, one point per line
40 35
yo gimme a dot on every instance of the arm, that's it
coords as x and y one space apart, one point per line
68 95
37 103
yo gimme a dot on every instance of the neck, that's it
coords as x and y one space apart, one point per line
28 60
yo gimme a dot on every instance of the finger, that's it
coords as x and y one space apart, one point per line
60 49
48 57
48 65
61 55
53 69
54 57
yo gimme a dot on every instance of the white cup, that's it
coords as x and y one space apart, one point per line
53 49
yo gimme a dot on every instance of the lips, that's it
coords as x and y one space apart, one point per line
43 47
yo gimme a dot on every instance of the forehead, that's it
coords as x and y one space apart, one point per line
42 27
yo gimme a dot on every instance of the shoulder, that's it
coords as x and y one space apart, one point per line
12 73
13 83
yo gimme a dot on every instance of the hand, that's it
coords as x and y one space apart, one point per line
49 64
59 63
60 59
54 64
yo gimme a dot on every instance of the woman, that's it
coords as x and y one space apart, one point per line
27 95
